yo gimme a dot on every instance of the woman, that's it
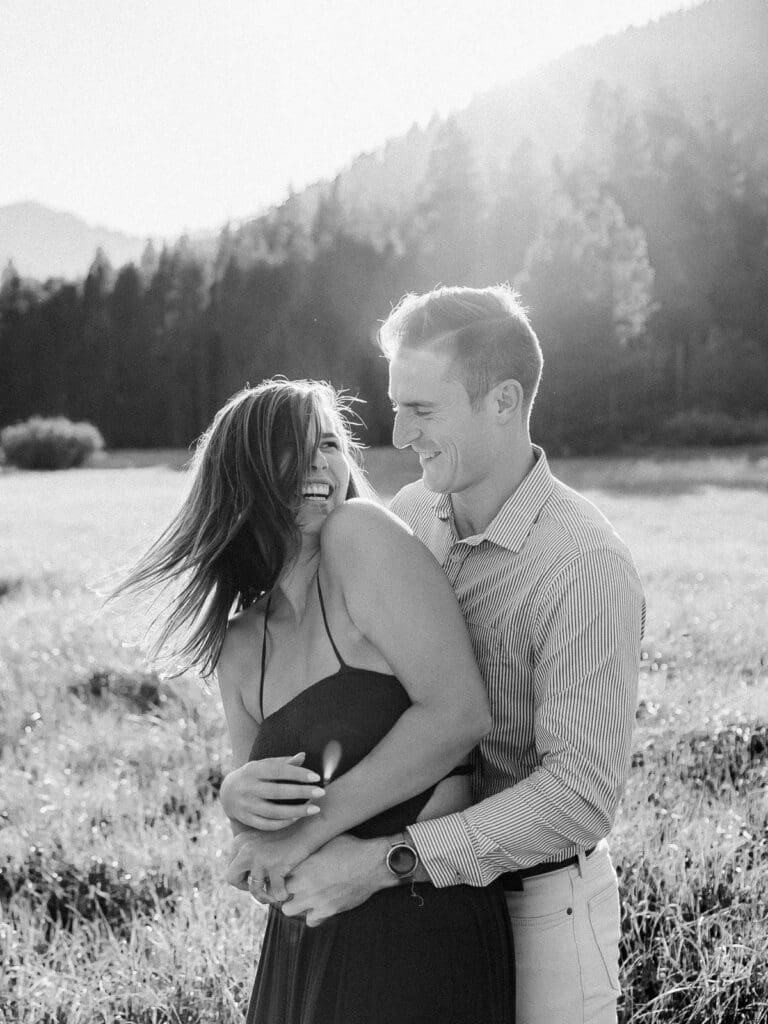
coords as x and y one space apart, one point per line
346 638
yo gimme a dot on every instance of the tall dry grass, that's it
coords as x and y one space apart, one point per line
112 905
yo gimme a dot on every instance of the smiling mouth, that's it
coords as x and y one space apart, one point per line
317 492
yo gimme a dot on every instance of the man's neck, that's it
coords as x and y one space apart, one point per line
475 509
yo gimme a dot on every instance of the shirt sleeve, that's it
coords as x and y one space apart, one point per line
585 652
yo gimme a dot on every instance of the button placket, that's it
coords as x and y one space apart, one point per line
454 562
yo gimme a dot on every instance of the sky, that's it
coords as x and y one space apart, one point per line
170 115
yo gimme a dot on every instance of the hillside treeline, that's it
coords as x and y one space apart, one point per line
643 261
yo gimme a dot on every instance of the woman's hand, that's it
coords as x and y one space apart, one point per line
261 861
248 792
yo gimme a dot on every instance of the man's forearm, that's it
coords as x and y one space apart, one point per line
415 754
372 858
526 824
340 876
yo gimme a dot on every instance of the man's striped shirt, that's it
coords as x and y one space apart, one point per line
555 612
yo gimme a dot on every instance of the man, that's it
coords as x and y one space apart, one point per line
555 612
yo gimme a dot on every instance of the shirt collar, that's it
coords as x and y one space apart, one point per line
512 523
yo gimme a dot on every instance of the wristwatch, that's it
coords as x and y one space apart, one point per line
402 860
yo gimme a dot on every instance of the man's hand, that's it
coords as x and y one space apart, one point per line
339 876
248 793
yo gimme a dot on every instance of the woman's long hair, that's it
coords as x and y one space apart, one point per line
236 530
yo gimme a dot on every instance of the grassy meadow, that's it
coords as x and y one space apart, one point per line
112 904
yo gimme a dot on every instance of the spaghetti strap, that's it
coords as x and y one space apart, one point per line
327 628
264 657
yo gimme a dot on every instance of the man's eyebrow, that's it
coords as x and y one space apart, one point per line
413 403
332 435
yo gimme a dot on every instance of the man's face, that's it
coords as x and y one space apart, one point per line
433 415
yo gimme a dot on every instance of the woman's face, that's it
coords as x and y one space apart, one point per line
327 483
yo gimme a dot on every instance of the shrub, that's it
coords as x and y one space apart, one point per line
53 443
62 892
144 692
695 428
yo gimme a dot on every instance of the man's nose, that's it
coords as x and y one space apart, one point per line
403 432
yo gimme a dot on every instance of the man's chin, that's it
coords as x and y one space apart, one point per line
432 482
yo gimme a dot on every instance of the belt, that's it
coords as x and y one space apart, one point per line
512 881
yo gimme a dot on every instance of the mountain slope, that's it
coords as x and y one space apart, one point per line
47 243
710 61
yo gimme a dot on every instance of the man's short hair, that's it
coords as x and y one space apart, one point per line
486 332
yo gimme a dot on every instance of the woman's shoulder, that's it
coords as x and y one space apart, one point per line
360 515
363 543
360 524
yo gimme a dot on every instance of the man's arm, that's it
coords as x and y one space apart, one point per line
586 655
341 876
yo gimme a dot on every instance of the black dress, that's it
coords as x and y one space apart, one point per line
445 958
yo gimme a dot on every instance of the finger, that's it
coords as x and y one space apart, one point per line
290 791
268 824
239 880
278 768
237 876
286 772
277 889
259 890
315 918
286 815
294 907
238 870
272 812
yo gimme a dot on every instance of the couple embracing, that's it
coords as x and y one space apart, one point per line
430 707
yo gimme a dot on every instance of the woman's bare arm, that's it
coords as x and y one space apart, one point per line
399 598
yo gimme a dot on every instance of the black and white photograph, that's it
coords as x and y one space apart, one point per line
384 512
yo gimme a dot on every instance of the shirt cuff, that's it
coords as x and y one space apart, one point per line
446 851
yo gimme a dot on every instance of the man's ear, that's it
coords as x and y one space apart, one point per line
507 398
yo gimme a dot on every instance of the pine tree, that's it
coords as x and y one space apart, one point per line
589 283
448 228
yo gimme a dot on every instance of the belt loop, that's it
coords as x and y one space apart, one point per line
582 855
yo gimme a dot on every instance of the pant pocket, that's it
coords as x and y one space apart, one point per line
604 923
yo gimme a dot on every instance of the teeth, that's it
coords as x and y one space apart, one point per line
316 491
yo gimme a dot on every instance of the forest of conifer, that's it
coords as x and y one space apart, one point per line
642 255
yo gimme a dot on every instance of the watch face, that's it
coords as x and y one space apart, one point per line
402 860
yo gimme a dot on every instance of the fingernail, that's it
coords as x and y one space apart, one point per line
313 777
315 792
313 809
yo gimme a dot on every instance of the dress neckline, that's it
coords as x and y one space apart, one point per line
343 668
341 672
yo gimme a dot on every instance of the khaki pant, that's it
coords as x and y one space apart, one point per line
566 930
